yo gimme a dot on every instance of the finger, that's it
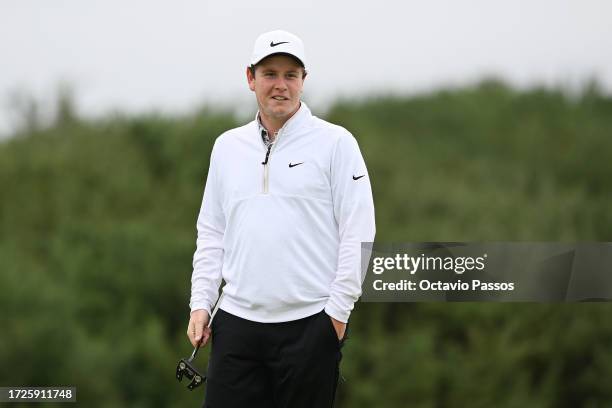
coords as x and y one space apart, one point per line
199 327
205 336
191 332
189 329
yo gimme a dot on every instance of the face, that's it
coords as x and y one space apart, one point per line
277 84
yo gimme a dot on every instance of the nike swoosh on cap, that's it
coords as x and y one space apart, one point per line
273 44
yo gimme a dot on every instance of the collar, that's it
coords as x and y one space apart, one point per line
298 119
262 131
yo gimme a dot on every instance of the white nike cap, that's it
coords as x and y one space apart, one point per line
278 42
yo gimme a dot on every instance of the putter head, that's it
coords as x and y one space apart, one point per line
185 368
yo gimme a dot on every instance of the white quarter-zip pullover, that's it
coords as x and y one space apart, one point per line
283 224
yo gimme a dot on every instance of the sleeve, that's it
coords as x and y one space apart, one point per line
208 256
354 213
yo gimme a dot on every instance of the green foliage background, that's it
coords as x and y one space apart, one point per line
97 231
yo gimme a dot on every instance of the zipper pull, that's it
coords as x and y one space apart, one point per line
267 155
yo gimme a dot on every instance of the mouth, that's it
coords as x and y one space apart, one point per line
280 98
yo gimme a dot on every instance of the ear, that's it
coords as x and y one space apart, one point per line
303 81
250 79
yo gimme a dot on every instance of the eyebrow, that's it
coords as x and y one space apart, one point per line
275 70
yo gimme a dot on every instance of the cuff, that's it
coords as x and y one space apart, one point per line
337 313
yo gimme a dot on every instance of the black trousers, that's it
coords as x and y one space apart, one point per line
273 365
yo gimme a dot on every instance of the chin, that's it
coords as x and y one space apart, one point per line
280 112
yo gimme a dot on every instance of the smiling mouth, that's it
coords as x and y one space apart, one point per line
280 98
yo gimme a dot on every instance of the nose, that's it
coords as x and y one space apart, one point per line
280 84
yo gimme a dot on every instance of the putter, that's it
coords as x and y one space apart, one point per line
185 368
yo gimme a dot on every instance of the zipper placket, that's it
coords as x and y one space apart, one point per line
266 163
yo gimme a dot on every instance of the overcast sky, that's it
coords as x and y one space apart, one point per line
175 55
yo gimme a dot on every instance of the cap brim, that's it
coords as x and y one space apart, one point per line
280 53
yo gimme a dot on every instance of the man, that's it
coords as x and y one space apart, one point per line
286 206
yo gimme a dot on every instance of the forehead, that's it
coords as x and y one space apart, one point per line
280 62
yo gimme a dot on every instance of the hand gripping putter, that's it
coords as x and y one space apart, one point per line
185 366
187 369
